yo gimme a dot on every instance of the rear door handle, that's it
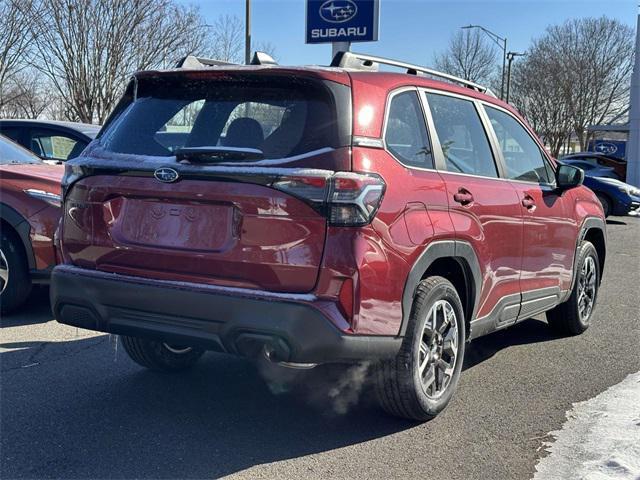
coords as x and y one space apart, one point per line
529 203
463 197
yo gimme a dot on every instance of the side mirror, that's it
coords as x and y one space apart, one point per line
569 176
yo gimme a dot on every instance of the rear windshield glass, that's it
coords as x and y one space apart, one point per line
282 117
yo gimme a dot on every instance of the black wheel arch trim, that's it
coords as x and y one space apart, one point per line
458 250
589 223
22 228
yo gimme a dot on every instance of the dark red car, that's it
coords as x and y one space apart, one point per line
29 212
316 215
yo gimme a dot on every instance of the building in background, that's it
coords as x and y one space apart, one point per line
633 146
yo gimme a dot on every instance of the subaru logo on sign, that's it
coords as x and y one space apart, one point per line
166 175
331 21
606 148
338 11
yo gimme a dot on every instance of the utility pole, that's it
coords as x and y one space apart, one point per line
247 33
502 43
633 145
510 57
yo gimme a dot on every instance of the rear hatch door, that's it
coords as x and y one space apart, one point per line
182 182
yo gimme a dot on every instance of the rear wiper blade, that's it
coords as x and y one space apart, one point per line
217 154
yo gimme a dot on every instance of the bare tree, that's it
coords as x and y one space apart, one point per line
542 105
586 66
225 40
87 48
468 56
226 37
14 44
29 95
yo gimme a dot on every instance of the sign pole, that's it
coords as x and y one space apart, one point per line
339 47
247 33
633 147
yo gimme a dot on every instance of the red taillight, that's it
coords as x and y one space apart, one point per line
346 198
354 199
312 189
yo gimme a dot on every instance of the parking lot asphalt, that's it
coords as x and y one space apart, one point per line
74 406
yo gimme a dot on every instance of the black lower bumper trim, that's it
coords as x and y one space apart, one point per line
216 320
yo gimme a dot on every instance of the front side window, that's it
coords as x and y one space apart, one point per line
406 132
462 137
522 155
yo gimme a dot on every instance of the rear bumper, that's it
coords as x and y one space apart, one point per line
296 328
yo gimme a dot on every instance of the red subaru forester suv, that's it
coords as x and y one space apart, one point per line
323 214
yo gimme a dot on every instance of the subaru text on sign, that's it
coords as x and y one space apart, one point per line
342 21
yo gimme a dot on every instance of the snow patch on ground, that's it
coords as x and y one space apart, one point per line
600 440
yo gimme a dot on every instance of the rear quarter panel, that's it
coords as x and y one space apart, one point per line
413 213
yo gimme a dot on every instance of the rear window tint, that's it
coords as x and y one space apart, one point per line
279 116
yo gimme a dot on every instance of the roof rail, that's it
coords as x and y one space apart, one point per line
262 58
191 61
360 61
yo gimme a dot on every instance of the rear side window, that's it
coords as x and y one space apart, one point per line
406 132
281 117
54 146
462 137
522 156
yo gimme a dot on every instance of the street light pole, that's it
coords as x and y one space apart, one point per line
510 57
502 43
247 33
504 58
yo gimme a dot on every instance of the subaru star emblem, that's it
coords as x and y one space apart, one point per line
166 175
338 11
606 148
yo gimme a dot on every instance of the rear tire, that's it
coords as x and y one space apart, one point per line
574 316
15 283
606 204
419 382
159 356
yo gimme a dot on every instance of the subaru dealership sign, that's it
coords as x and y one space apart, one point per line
613 148
342 21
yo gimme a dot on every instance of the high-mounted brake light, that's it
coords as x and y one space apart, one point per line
347 199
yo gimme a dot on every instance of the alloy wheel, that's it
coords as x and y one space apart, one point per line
587 288
4 272
438 351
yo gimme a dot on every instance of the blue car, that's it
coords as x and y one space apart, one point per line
616 197
592 169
